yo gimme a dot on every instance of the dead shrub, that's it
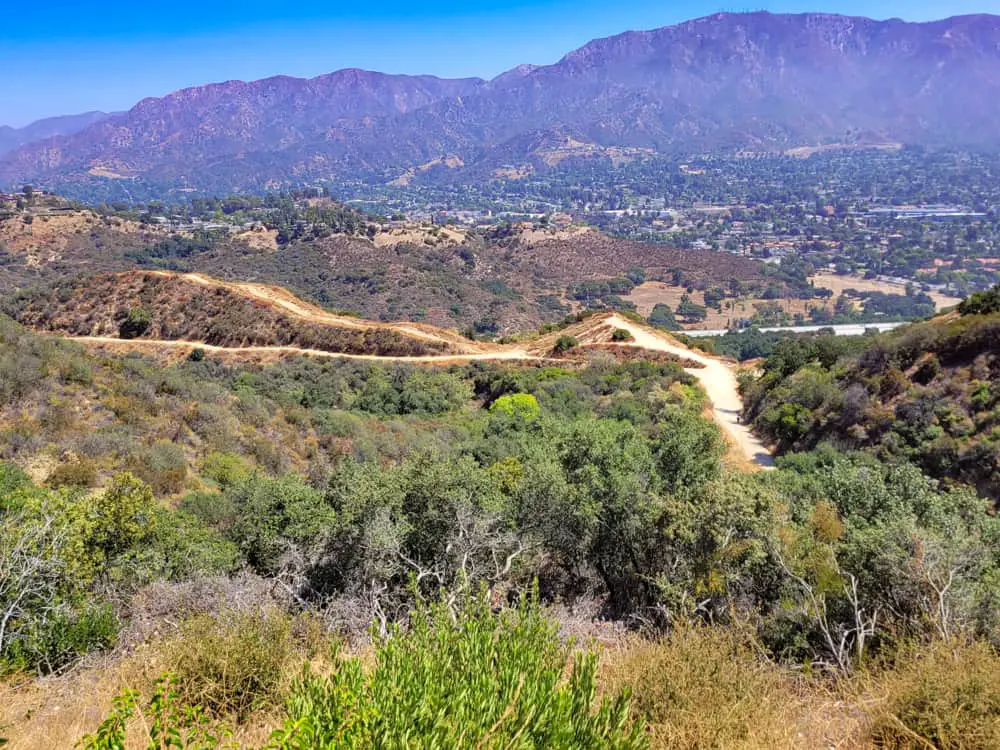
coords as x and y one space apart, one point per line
235 663
947 696
79 473
164 467
706 688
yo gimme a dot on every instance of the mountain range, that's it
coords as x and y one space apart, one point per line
727 82
50 127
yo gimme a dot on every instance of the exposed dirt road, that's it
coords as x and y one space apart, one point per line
719 382
715 376
161 344
288 303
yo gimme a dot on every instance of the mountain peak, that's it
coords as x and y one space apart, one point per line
728 81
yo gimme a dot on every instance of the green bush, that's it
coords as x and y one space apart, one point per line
225 469
620 334
136 323
51 644
164 467
519 408
462 680
182 547
214 509
168 723
981 303
564 344
456 679
12 478
663 317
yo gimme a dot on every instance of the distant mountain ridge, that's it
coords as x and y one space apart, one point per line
755 81
50 127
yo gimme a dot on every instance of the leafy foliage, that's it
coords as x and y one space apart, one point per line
925 394
565 344
465 678
173 725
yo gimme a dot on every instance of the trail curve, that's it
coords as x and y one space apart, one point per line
719 382
715 376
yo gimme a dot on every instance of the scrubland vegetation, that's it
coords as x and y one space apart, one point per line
141 305
343 554
927 394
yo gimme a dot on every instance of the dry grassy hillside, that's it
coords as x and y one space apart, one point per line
498 280
159 305
595 255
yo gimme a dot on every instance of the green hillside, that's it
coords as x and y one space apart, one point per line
928 394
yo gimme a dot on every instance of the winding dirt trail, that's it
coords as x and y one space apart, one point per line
161 344
298 308
719 382
715 376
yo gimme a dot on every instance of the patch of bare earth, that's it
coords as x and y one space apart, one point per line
837 284
47 236
260 239
651 293
419 234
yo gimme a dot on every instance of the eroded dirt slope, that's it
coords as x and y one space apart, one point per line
166 306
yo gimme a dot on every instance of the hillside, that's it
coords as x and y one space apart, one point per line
490 280
187 536
50 127
927 393
190 307
758 81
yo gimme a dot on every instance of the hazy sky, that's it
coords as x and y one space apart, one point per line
66 56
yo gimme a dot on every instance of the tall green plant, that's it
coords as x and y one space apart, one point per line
465 678
171 725
461 676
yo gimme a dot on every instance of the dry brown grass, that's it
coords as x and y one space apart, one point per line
706 688
837 285
197 308
699 688
532 234
647 295
55 712
702 688
260 239
946 696
46 239
225 664
419 234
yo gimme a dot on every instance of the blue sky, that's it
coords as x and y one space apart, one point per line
63 56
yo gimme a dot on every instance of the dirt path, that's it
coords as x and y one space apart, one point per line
289 303
715 376
719 382
161 344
